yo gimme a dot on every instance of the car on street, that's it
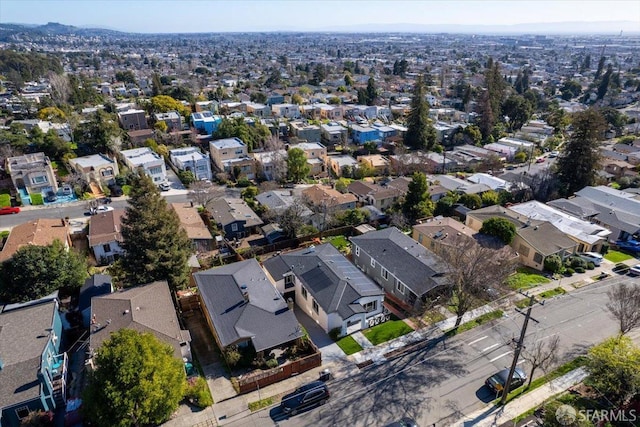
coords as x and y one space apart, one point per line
403 422
496 382
540 160
8 210
100 209
304 397
635 270
621 268
164 186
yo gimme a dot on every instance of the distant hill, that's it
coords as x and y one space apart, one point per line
7 30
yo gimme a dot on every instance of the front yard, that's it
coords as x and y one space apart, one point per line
349 345
526 278
616 256
387 331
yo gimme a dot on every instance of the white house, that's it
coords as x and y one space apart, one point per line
191 159
147 159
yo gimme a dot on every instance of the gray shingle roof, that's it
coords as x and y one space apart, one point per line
228 211
418 268
24 333
96 285
146 308
333 281
545 238
265 319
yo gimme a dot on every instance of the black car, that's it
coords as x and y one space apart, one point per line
51 196
403 422
304 397
497 381
116 190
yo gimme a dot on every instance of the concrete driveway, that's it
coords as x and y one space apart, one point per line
330 350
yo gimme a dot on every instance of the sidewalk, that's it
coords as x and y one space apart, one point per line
497 415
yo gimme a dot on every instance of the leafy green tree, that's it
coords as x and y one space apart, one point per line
52 114
490 198
348 80
603 87
553 263
36 271
165 103
570 89
501 228
156 246
297 99
100 134
472 201
518 109
54 146
353 216
126 76
578 167
297 167
613 369
139 377
417 203
372 91
445 205
420 132
253 136
342 184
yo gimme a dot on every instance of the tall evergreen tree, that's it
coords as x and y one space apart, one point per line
578 165
372 91
600 68
420 132
604 83
156 246
417 203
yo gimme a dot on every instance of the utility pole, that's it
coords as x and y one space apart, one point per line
516 354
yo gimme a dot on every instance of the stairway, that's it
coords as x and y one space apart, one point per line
95 190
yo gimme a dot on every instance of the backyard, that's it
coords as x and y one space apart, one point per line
387 331
339 242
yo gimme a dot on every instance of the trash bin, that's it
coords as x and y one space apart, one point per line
325 375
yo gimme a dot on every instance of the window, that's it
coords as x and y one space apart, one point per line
22 412
304 293
537 258
41 179
316 308
234 227
106 248
400 287
373 263
107 172
371 306
288 281
385 273
155 170
357 251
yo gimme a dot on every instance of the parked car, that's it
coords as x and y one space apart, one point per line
403 422
621 268
540 160
497 381
51 196
631 246
164 186
554 154
304 397
116 190
635 270
593 257
8 210
100 209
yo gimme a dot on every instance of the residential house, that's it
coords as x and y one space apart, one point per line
590 237
105 237
207 106
618 211
172 119
332 134
33 371
151 162
386 133
37 232
375 195
327 287
288 111
408 163
325 200
133 120
375 162
408 272
32 173
243 307
278 201
342 163
206 122
493 182
271 164
63 130
316 155
138 137
146 308
362 134
94 286
191 159
258 110
275 99
235 217
330 112
192 223
231 153
97 168
305 131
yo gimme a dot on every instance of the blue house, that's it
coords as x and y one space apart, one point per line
275 99
206 122
32 370
362 134
235 217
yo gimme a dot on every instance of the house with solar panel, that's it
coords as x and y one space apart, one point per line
328 288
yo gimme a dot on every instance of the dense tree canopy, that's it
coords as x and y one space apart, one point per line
36 271
156 246
499 227
100 134
420 132
25 66
297 167
237 127
578 166
137 382
165 103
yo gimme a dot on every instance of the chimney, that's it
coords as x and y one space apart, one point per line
290 304
245 293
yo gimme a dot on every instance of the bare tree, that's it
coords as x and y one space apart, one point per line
542 354
278 156
290 219
202 193
475 272
60 89
624 306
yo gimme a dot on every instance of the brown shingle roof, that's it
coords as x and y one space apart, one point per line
39 232
105 227
318 194
191 222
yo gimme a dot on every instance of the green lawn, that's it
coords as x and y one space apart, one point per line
487 317
544 295
616 256
255 406
349 345
339 242
526 278
5 200
386 331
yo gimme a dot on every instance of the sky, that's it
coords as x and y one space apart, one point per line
171 16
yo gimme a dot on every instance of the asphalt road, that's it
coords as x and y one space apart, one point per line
445 381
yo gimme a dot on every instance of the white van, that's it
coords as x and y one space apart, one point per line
593 257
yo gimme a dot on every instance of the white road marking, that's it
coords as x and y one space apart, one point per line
522 361
502 355
479 339
490 347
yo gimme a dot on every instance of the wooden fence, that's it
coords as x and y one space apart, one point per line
255 380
